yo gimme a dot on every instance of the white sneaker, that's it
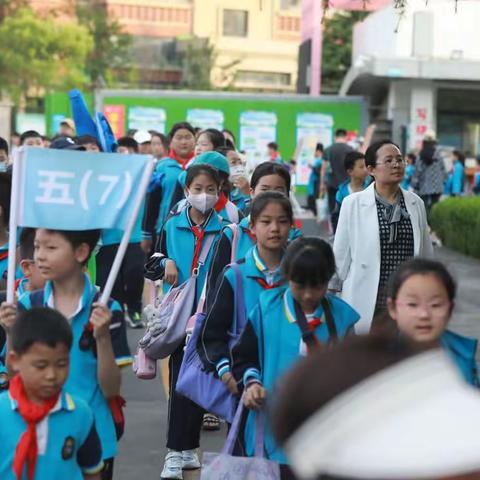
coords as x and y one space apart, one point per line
190 460
172 469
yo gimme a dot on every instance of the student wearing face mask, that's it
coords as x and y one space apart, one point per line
178 251
224 207
240 193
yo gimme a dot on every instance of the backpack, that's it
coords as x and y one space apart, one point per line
204 388
168 317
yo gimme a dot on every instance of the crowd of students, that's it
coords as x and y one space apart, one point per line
204 215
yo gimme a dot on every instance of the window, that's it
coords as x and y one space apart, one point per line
273 79
235 23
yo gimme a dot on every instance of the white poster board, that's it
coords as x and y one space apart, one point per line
312 128
205 118
257 130
146 118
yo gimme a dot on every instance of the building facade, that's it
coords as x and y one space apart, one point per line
423 76
255 41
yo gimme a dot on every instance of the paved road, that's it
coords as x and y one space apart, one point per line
142 449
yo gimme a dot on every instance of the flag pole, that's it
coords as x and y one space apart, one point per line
117 263
13 224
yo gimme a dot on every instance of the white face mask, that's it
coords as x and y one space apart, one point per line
237 171
203 202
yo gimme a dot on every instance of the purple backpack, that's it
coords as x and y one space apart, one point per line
203 387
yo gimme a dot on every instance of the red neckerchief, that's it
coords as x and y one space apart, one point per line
251 235
314 323
221 202
183 163
298 224
4 255
32 414
266 286
274 156
199 234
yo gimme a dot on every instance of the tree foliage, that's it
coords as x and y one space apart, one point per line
337 48
197 58
111 45
41 54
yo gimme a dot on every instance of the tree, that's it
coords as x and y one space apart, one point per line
337 48
110 55
8 7
197 60
41 54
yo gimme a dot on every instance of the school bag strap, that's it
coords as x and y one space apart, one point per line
308 336
240 317
232 212
235 238
203 254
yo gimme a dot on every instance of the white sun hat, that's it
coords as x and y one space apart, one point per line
142 136
415 420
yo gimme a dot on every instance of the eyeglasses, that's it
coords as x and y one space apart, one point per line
392 161
436 309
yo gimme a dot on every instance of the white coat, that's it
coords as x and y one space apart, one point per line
357 249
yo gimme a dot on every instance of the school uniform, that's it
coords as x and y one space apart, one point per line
407 179
181 241
313 187
240 200
213 345
272 343
476 183
3 352
128 286
82 379
345 189
3 262
159 197
223 251
458 178
67 440
462 351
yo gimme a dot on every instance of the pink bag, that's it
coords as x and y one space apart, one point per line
143 366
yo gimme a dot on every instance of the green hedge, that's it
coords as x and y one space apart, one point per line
457 222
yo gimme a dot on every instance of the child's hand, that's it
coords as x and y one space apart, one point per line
100 319
8 313
229 381
171 273
254 396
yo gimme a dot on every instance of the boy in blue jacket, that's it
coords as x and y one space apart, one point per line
99 338
358 177
36 402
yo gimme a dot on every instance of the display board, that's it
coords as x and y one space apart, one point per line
291 114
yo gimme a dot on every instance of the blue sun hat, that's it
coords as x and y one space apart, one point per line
214 159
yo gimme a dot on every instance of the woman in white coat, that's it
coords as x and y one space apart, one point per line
378 229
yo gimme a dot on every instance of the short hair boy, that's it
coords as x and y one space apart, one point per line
31 138
89 142
127 145
61 257
358 180
68 445
31 277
